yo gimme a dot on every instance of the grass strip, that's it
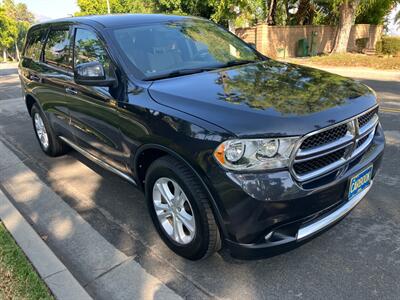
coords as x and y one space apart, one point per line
351 60
18 278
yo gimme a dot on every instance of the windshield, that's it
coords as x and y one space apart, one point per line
179 48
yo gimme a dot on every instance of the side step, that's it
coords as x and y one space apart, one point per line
97 161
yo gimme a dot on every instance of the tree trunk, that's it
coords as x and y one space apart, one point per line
271 13
347 15
17 51
305 13
287 12
4 55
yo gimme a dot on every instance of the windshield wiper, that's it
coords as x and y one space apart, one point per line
238 62
180 72
183 72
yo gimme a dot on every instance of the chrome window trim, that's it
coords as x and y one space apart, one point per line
353 130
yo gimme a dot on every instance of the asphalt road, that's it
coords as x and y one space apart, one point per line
359 258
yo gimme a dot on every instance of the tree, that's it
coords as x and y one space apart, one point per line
226 11
305 12
347 16
236 12
8 32
22 28
272 12
18 12
372 11
192 7
376 12
21 18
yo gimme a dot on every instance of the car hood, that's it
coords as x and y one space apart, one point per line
264 99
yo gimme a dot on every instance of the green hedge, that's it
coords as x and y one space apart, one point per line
388 46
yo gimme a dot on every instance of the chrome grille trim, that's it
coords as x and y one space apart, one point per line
326 137
368 126
336 144
349 141
363 146
327 151
322 171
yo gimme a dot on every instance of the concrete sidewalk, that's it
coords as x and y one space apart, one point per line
57 277
104 271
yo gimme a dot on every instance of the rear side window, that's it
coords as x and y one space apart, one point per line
57 51
34 44
89 48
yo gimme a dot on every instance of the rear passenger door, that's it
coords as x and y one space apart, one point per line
94 110
30 67
56 74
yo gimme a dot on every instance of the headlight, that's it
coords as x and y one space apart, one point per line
255 154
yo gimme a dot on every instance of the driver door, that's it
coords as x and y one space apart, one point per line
94 110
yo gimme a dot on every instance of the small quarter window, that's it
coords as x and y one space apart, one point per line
57 49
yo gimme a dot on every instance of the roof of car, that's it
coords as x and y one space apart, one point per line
116 20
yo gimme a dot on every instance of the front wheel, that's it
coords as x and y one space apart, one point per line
180 209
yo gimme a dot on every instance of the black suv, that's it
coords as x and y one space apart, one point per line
230 147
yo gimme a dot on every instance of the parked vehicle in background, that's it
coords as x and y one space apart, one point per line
230 147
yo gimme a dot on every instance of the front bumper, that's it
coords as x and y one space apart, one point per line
268 213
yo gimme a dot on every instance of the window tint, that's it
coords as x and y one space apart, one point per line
57 49
34 44
88 48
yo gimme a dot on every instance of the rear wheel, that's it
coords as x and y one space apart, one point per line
48 141
180 209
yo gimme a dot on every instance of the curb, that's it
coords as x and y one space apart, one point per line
60 281
99 268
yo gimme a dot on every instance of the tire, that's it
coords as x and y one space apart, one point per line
205 239
54 146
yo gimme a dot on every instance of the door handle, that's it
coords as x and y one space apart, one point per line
34 77
71 91
112 103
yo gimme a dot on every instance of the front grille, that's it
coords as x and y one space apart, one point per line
364 119
324 151
308 166
324 137
362 141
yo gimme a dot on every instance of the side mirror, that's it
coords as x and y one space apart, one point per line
93 74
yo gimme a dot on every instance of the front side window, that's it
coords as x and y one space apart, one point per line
163 48
34 44
57 50
89 48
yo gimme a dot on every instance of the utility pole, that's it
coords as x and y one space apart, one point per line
108 7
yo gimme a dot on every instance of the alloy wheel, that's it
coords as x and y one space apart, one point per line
174 211
41 131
